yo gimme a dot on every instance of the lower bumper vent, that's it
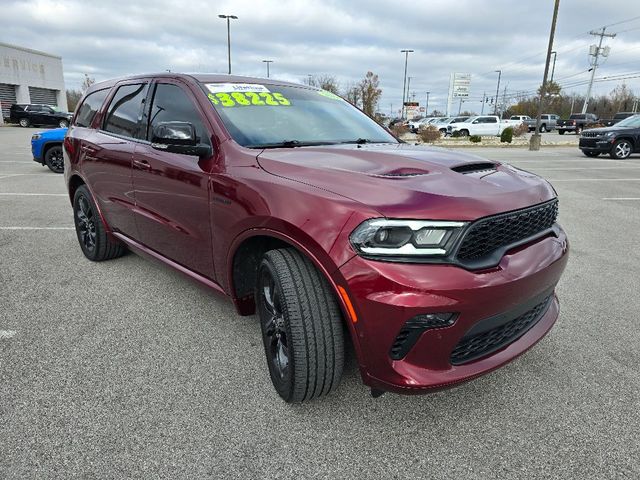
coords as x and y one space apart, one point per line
416 326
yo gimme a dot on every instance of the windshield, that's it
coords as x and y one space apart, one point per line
262 116
629 122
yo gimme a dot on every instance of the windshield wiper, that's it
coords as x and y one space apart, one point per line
362 141
288 144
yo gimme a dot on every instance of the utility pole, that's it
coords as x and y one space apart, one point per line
484 96
553 69
426 107
228 17
499 72
596 52
504 100
460 106
534 142
404 85
267 62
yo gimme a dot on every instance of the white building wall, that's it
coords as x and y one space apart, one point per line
29 68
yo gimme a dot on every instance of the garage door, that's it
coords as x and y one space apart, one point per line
43 95
7 97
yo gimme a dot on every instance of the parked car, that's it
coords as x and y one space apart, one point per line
576 122
446 122
619 140
27 115
616 118
481 125
520 118
548 122
438 266
46 148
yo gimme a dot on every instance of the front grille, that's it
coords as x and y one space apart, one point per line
590 134
475 346
490 234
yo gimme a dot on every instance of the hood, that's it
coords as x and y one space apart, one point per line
57 133
605 130
406 181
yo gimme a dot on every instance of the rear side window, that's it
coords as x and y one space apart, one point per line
172 104
125 110
90 107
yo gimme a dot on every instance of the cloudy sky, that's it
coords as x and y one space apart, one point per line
345 38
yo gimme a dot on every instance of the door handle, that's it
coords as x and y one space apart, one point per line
141 164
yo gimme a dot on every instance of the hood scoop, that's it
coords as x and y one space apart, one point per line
403 173
468 168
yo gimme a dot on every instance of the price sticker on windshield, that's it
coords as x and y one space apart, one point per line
244 94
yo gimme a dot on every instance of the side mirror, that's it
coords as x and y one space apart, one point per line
178 137
475 121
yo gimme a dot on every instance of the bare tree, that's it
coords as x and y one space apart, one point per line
73 97
370 93
353 94
325 82
87 82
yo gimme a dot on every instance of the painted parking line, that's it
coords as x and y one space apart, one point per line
7 334
14 194
12 175
37 228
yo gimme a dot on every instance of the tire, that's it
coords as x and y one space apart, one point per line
54 160
464 133
63 124
578 130
94 241
561 132
24 122
621 149
590 154
301 325
543 128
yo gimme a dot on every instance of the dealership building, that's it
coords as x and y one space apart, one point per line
30 76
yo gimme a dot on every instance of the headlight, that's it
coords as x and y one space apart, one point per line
381 237
610 134
35 136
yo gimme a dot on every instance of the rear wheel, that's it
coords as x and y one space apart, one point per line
54 160
24 122
590 154
578 130
561 132
301 326
96 244
464 133
621 149
63 124
543 128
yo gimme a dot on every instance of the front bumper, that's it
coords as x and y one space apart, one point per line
386 295
595 145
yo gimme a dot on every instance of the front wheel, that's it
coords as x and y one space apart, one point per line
301 326
621 149
590 154
96 244
561 132
54 160
578 130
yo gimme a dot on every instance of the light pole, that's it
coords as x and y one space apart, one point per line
553 69
499 72
267 62
228 18
404 85
426 107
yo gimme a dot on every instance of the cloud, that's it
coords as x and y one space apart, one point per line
342 38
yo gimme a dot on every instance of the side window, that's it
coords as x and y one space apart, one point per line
125 111
491 120
172 104
90 107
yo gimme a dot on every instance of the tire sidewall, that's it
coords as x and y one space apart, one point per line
284 386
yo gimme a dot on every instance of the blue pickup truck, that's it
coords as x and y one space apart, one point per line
46 148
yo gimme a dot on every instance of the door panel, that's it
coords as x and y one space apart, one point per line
172 207
106 164
172 190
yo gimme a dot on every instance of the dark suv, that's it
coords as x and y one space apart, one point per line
619 140
438 266
41 115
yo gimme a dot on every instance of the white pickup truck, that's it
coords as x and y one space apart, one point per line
482 125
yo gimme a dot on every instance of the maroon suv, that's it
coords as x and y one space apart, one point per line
438 266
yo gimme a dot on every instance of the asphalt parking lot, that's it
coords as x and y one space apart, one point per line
127 369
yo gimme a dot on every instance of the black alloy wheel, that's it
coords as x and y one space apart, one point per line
54 159
275 331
